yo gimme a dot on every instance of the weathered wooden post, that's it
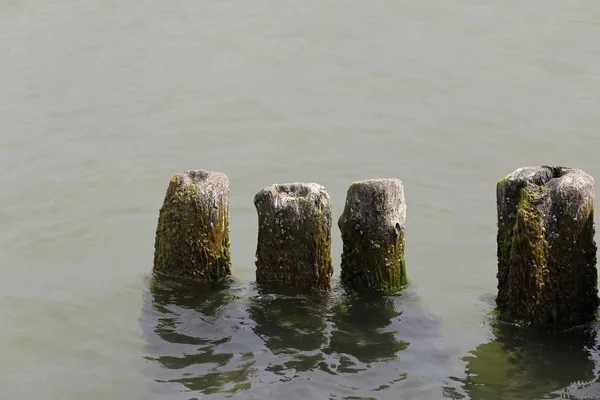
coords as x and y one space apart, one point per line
546 249
192 237
372 227
294 237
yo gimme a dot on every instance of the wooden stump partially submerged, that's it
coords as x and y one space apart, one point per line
192 237
546 250
294 237
372 227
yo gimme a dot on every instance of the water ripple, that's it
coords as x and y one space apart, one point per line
231 340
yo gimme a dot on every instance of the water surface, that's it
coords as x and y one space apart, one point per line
102 102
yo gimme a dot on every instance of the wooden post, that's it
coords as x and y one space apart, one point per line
294 237
192 237
372 227
546 249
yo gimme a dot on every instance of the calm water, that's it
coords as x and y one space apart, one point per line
103 101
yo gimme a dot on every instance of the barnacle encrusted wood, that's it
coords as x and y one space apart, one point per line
192 236
372 227
294 237
546 250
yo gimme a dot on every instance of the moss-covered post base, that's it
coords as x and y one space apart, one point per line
372 227
546 249
294 237
192 237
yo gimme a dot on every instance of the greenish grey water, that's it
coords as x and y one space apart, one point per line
102 102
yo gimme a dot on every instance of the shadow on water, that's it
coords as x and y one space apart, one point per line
336 334
293 329
359 336
534 363
189 336
346 345
236 341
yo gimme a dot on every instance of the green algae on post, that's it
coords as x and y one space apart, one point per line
192 236
372 227
294 237
545 246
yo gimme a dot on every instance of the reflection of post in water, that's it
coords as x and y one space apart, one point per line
529 363
359 330
292 327
189 338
